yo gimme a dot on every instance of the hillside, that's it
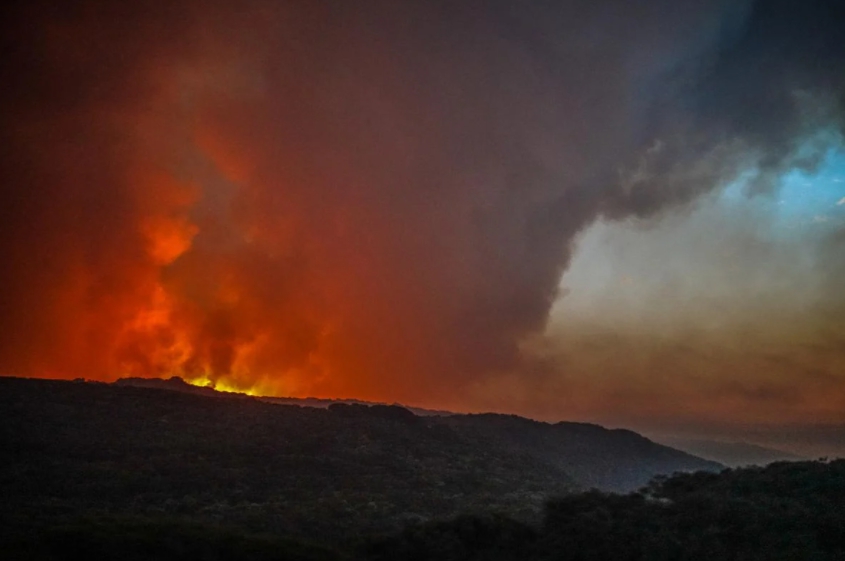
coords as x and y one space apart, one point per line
610 460
175 383
595 457
783 512
102 451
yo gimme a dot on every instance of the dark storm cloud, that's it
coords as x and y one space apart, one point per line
770 82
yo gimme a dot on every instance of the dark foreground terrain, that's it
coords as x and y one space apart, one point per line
96 471
592 456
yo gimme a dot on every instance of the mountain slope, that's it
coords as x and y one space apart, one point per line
611 460
99 450
175 383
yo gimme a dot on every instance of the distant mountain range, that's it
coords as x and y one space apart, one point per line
215 457
732 454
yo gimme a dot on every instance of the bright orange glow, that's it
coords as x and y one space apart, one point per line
168 237
221 386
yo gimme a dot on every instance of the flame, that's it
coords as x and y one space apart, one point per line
204 381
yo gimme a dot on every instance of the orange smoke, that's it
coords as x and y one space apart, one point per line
295 199
352 199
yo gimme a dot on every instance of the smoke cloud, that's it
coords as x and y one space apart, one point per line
365 199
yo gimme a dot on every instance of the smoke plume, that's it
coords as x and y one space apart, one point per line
372 199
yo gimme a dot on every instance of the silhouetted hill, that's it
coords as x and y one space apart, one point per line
609 460
111 451
175 383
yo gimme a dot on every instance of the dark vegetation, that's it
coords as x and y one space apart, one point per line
610 460
96 471
313 473
786 511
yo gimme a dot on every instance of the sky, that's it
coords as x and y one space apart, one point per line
624 213
715 319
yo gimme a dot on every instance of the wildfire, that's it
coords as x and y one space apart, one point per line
222 386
